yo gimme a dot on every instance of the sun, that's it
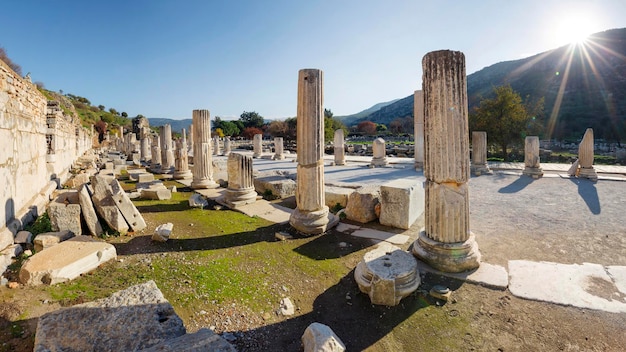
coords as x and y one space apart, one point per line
573 29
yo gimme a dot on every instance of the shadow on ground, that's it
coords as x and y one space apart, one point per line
588 192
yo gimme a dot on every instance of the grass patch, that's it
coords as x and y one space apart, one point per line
40 225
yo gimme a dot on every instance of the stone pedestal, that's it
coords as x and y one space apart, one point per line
216 145
278 148
387 274
167 153
532 166
339 147
418 115
479 153
311 215
227 146
203 162
257 146
155 161
240 189
380 157
182 162
447 243
585 157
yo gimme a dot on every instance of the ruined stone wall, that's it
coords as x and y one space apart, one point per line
37 147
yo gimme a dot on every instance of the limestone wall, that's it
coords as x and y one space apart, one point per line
37 147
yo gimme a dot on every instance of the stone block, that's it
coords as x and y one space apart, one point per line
280 186
162 232
7 255
24 237
78 180
105 204
202 340
320 337
64 213
65 261
48 239
337 195
145 177
130 320
156 194
88 211
126 207
362 203
402 202
196 200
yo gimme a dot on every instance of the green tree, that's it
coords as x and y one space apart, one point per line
230 128
505 118
331 124
124 114
251 119
101 107
113 111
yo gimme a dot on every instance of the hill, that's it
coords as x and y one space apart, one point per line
583 85
177 125
352 119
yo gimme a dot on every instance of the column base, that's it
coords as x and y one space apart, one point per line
377 162
181 175
534 172
419 166
204 184
447 257
278 157
480 169
235 198
314 222
588 172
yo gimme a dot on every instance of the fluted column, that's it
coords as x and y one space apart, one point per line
447 243
278 148
479 153
155 162
240 189
311 215
167 154
585 156
418 126
182 162
339 147
379 151
532 167
145 144
257 145
202 160
216 145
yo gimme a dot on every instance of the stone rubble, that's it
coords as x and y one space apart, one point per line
162 232
321 338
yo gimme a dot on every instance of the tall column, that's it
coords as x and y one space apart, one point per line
278 148
257 146
155 162
240 189
202 160
182 163
532 167
190 147
447 243
585 156
418 116
227 146
479 153
339 147
167 154
145 143
379 151
311 215
216 145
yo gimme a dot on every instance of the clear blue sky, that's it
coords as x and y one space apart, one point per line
165 58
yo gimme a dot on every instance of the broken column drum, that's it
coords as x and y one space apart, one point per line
532 167
227 146
378 148
339 147
257 145
418 113
145 144
182 162
447 243
202 160
155 162
278 148
585 156
311 215
167 154
479 153
240 189
216 145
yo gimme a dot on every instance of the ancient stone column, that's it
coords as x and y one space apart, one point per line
240 189
311 215
257 146
339 147
182 163
418 127
145 144
155 162
227 146
216 145
190 148
447 243
278 148
167 154
532 167
380 157
202 160
479 153
585 157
